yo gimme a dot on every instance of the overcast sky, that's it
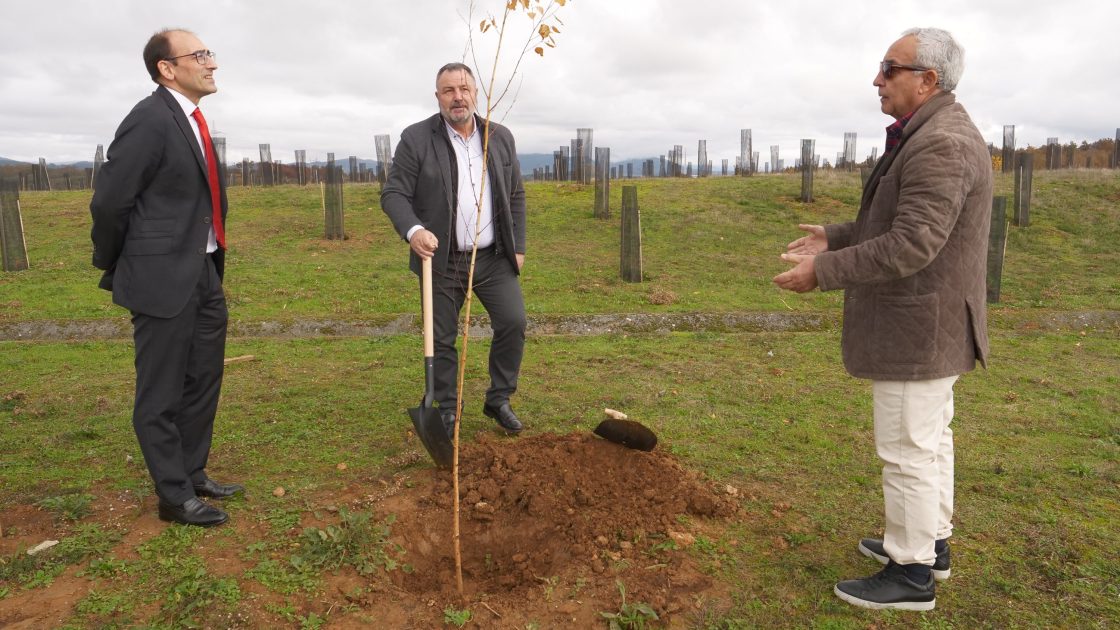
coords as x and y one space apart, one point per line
644 74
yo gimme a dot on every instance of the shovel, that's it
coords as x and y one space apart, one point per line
426 419
628 433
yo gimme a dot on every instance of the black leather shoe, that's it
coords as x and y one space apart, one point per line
504 416
448 418
193 512
211 488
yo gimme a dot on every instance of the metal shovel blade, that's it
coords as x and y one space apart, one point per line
628 433
429 428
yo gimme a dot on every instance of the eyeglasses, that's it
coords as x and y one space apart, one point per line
888 67
201 56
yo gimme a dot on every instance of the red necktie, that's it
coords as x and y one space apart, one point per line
212 172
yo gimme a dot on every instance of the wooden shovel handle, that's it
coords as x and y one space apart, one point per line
426 304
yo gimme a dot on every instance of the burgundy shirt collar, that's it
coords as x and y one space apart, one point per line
894 132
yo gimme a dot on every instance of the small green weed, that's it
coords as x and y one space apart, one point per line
1079 469
455 617
17 566
194 590
629 616
549 585
355 541
286 578
666 545
311 622
104 568
99 604
173 541
88 540
796 539
287 611
43 577
72 507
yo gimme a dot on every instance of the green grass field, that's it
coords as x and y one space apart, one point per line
1037 434
713 244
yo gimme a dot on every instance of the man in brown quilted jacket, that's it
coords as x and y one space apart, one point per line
912 266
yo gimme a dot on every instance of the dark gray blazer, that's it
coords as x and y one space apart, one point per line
151 210
423 182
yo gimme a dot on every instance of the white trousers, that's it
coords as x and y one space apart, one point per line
913 438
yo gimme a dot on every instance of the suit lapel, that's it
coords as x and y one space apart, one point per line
443 156
184 127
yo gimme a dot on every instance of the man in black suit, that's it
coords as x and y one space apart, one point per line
433 198
158 232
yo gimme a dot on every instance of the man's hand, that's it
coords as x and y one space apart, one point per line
811 245
802 278
520 261
424 243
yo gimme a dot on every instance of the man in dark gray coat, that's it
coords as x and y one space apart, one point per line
158 233
912 266
442 203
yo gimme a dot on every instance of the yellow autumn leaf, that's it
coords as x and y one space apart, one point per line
544 31
555 30
539 51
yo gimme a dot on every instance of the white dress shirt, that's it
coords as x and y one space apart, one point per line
188 109
468 159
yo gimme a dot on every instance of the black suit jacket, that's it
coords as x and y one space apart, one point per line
151 210
423 187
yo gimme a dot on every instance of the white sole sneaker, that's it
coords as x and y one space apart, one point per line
863 603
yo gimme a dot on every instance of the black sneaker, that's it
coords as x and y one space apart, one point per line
873 548
889 588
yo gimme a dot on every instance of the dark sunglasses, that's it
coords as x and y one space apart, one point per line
888 67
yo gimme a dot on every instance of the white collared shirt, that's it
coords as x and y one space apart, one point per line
188 109
468 156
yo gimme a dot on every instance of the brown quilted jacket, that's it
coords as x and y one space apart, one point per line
913 263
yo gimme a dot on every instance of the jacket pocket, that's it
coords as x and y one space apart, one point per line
149 228
149 245
906 330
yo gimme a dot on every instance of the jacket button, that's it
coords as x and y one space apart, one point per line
205 219
202 250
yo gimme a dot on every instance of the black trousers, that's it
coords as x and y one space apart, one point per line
179 365
496 286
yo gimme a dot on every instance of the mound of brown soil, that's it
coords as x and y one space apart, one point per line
550 522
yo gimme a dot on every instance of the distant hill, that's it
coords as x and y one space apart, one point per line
83 164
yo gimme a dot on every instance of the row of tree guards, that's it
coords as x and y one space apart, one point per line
573 162
332 176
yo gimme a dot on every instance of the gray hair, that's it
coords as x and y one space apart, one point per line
455 66
938 50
